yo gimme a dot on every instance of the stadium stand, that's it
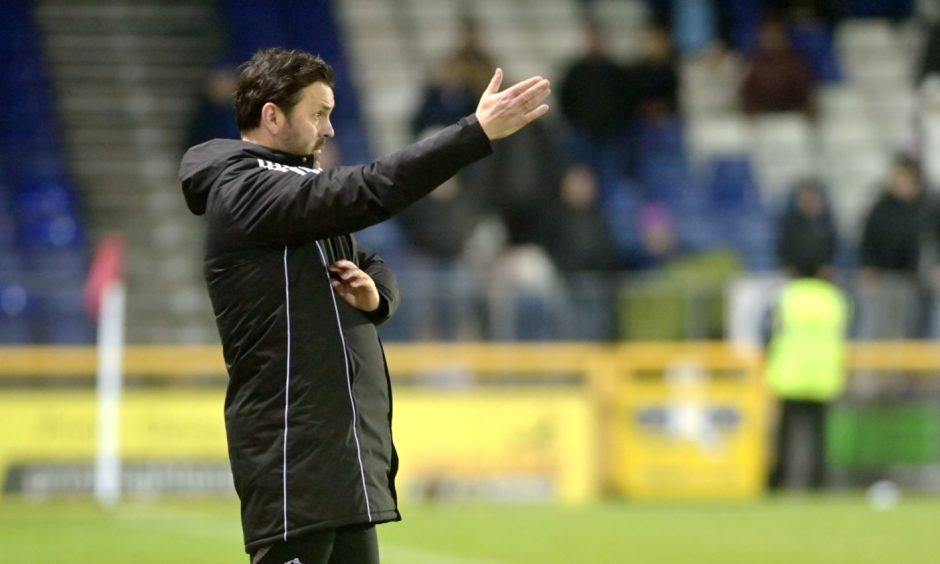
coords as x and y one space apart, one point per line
125 74
131 84
42 233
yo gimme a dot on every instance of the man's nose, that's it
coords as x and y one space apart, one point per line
326 130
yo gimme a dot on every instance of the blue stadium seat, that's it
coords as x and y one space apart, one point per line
732 184
41 231
895 9
49 233
621 207
752 235
11 266
744 20
699 229
660 137
63 319
17 313
664 178
44 199
7 224
816 44
50 270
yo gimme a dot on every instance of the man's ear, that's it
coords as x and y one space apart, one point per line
272 119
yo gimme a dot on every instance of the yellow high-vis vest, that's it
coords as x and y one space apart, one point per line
807 356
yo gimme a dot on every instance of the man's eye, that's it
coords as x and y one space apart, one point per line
318 115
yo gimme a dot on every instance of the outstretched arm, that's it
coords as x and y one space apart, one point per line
290 207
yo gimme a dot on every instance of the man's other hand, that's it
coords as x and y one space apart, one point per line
503 113
354 286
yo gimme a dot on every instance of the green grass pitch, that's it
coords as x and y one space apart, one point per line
787 529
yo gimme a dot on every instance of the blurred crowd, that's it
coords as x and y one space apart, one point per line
567 215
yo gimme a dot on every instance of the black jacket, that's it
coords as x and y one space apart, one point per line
806 244
891 240
308 406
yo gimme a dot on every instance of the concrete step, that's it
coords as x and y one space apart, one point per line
126 73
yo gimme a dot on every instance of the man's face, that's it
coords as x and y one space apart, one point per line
308 123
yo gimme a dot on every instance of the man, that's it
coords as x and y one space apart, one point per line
296 299
806 372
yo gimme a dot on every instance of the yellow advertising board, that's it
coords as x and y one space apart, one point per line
155 425
172 441
508 444
511 444
690 427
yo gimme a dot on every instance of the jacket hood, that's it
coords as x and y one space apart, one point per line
203 164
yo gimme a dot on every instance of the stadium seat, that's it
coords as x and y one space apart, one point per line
7 225
11 267
783 151
895 9
17 313
53 269
39 211
752 236
717 136
699 228
63 319
787 136
847 136
621 205
44 199
660 137
664 177
816 43
745 18
732 185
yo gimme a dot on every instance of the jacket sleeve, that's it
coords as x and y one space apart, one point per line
292 207
386 283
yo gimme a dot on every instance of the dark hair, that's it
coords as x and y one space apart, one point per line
909 162
276 75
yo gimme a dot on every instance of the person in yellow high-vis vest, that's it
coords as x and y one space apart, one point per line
806 370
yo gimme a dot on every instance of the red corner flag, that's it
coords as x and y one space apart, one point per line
106 268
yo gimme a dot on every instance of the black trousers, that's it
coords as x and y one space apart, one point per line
348 545
801 446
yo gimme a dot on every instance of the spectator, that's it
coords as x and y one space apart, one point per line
458 80
214 115
521 180
654 78
806 371
806 238
594 102
891 246
446 98
929 63
778 78
659 242
697 26
477 62
440 226
891 241
577 235
580 242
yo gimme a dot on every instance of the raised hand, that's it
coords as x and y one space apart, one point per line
503 113
354 285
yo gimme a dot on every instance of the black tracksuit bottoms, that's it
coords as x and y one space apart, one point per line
347 545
